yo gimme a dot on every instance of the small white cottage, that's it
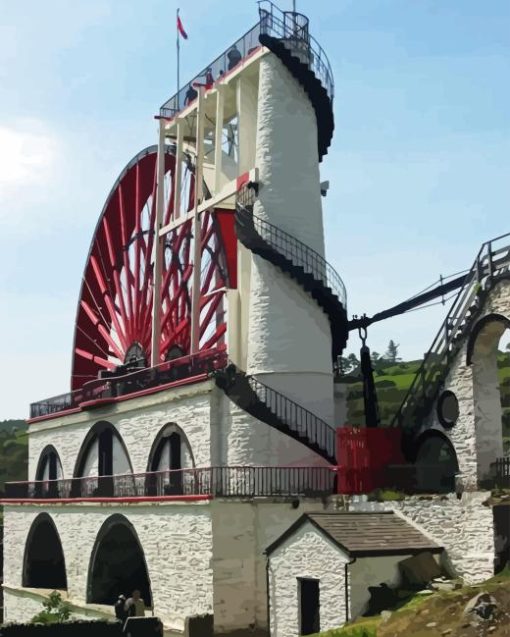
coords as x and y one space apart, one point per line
320 569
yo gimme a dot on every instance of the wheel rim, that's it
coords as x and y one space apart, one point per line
114 316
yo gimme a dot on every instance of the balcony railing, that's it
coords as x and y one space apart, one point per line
224 63
289 27
500 474
238 482
115 386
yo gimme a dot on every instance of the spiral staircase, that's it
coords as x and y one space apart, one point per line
286 35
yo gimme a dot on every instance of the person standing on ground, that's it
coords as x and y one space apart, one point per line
120 612
135 606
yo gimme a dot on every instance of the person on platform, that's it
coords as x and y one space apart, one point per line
234 57
135 606
191 94
209 79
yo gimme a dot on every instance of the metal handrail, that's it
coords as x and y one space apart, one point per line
223 481
272 23
219 68
290 247
489 263
121 385
299 419
318 61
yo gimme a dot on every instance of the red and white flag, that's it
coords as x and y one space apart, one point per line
180 28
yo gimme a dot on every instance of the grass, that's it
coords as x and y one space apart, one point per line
411 617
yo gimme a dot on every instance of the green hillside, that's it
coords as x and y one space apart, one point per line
13 451
393 380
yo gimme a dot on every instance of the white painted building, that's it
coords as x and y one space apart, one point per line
201 421
321 568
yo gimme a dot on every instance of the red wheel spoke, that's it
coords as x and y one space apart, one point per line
220 330
214 303
125 237
115 306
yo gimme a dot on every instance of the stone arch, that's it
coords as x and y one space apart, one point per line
481 356
117 563
436 462
480 326
102 455
43 561
170 451
49 466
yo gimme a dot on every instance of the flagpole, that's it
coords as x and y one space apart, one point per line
178 60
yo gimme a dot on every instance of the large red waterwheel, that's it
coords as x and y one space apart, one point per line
114 317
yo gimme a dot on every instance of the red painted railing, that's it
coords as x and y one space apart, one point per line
139 380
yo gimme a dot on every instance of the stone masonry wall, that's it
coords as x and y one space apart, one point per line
463 527
241 533
138 422
306 554
477 436
176 539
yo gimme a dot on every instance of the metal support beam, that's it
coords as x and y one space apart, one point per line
197 248
229 190
158 250
178 169
218 141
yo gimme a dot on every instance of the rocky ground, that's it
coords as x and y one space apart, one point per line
470 611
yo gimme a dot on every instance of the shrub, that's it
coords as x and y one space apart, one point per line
55 610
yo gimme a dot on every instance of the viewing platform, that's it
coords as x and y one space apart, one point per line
121 385
290 28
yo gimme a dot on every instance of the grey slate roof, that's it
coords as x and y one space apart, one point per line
364 534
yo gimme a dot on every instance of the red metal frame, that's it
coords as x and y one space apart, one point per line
115 304
362 455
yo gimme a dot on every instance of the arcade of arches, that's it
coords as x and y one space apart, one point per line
117 563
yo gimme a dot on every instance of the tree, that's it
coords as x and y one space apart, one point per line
392 352
347 364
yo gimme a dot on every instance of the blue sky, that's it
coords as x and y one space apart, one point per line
419 165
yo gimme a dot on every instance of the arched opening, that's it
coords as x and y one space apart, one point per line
44 565
103 454
49 470
170 454
174 352
436 463
491 390
117 564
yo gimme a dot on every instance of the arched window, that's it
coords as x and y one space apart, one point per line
117 564
170 454
49 470
103 454
436 463
44 565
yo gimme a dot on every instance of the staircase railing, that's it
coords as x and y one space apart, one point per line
298 419
288 246
292 29
255 397
492 260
